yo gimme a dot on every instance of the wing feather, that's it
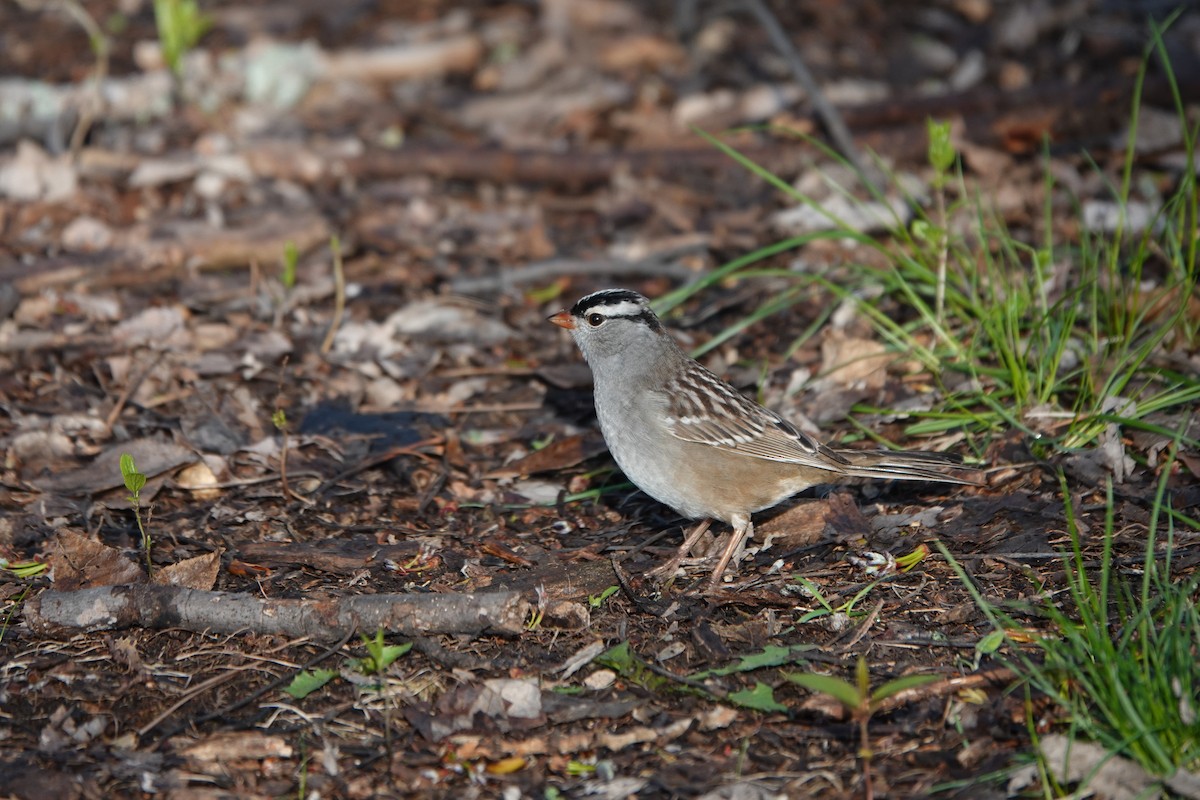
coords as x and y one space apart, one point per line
703 408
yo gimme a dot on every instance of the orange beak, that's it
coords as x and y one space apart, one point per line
563 320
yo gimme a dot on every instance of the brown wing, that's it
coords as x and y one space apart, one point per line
703 408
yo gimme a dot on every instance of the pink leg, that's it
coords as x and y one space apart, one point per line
742 529
668 568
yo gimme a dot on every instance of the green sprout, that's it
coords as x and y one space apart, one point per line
134 483
291 257
180 25
597 600
860 700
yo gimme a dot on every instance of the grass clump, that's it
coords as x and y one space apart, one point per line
1126 668
1058 339
1121 658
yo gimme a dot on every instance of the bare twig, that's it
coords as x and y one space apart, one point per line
241 702
828 114
998 676
339 296
130 388
863 628
88 107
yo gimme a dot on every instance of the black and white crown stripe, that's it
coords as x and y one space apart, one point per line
612 303
617 304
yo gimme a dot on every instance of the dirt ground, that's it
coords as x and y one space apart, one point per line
476 167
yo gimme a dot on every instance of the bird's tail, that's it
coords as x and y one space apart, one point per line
909 465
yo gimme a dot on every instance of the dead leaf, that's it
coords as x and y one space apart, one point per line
509 703
1025 132
848 361
242 569
78 562
153 456
559 454
1111 776
568 615
193 573
444 321
124 652
642 52
807 521
32 174
199 478
494 547
200 245
157 326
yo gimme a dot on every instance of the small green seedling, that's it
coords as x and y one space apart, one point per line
291 257
379 655
859 700
826 608
760 698
597 600
941 150
941 158
24 569
180 25
134 483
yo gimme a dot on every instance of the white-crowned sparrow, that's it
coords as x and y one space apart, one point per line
693 442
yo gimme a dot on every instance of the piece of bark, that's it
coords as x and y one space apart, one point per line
55 613
337 556
561 580
405 62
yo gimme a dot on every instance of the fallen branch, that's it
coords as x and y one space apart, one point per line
55 613
998 677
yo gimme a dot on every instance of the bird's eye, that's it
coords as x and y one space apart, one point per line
595 319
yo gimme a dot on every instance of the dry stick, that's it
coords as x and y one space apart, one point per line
244 482
829 115
130 388
55 613
339 296
863 628
482 408
498 165
242 702
279 417
953 685
493 369
101 47
192 693
382 458
283 481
